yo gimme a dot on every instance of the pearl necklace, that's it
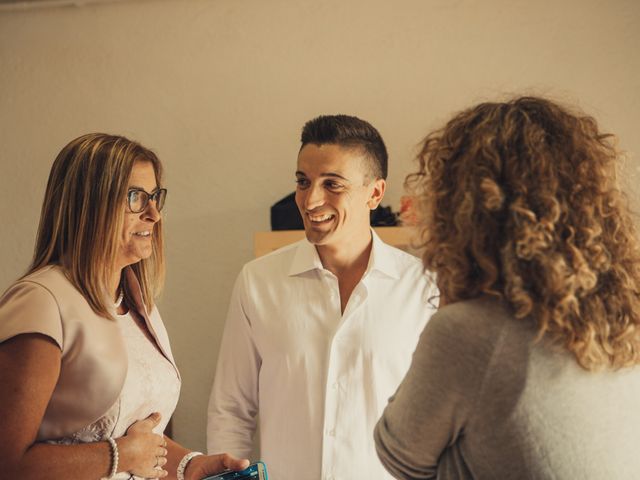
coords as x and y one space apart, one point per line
120 298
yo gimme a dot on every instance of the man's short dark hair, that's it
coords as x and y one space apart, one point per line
349 132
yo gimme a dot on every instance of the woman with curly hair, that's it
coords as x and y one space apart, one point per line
529 368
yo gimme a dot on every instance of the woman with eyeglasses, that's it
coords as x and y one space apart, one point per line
531 367
87 376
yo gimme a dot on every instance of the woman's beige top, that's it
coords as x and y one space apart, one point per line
97 354
151 386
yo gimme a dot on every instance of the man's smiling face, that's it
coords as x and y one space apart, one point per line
335 194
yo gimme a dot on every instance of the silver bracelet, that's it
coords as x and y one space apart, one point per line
182 466
114 458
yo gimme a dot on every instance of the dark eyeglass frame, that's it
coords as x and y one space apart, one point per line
159 196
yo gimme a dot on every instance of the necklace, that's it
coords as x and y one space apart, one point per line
120 298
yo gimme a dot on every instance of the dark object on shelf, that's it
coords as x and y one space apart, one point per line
383 217
286 216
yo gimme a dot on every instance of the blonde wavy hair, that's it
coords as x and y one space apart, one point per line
83 213
520 200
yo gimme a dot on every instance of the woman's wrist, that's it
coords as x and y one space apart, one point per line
125 457
188 465
113 459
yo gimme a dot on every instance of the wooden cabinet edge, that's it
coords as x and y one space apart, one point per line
265 242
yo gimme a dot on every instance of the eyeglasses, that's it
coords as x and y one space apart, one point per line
138 199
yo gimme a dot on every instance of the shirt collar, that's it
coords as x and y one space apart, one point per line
382 258
306 258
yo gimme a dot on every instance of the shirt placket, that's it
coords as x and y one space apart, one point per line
339 370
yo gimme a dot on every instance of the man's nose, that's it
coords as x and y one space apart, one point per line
315 197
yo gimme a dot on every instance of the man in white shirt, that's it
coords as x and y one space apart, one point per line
320 333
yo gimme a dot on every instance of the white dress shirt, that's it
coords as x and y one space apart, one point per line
319 378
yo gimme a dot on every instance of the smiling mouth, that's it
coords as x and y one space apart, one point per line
316 219
142 234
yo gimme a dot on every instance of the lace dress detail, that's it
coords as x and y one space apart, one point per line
151 385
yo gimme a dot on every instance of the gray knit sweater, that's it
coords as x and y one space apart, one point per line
483 400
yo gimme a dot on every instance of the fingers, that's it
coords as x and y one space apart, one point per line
155 456
157 473
153 419
214 464
232 463
147 424
156 470
149 448
161 457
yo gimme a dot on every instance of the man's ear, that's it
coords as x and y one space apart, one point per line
379 186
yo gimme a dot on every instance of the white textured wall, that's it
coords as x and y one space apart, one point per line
221 88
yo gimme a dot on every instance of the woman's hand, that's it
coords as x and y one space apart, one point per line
142 451
204 465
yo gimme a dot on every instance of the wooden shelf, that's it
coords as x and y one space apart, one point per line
265 242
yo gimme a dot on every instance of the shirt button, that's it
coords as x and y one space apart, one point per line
331 432
336 385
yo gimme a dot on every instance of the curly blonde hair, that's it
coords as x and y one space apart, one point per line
520 200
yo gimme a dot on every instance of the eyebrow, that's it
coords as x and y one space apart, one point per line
136 187
328 174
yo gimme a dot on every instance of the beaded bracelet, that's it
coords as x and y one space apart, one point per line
114 458
182 466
